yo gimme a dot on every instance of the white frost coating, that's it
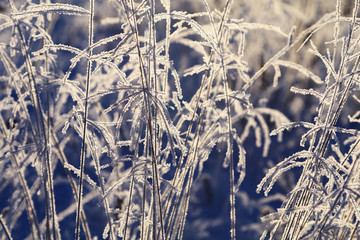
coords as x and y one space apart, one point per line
165 92
277 75
301 69
105 234
77 172
59 8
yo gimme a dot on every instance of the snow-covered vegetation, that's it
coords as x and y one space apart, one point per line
186 119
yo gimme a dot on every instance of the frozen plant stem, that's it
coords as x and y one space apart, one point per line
56 230
230 137
5 228
41 129
72 181
31 213
82 157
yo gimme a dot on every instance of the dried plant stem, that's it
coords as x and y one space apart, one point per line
82 157
48 181
72 182
5 228
30 209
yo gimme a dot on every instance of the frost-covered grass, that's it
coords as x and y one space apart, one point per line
159 119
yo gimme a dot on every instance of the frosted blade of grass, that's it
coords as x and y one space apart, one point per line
325 20
57 47
277 75
196 69
212 21
300 69
172 132
290 126
241 24
241 166
57 8
307 92
271 177
77 172
5 228
194 25
170 66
